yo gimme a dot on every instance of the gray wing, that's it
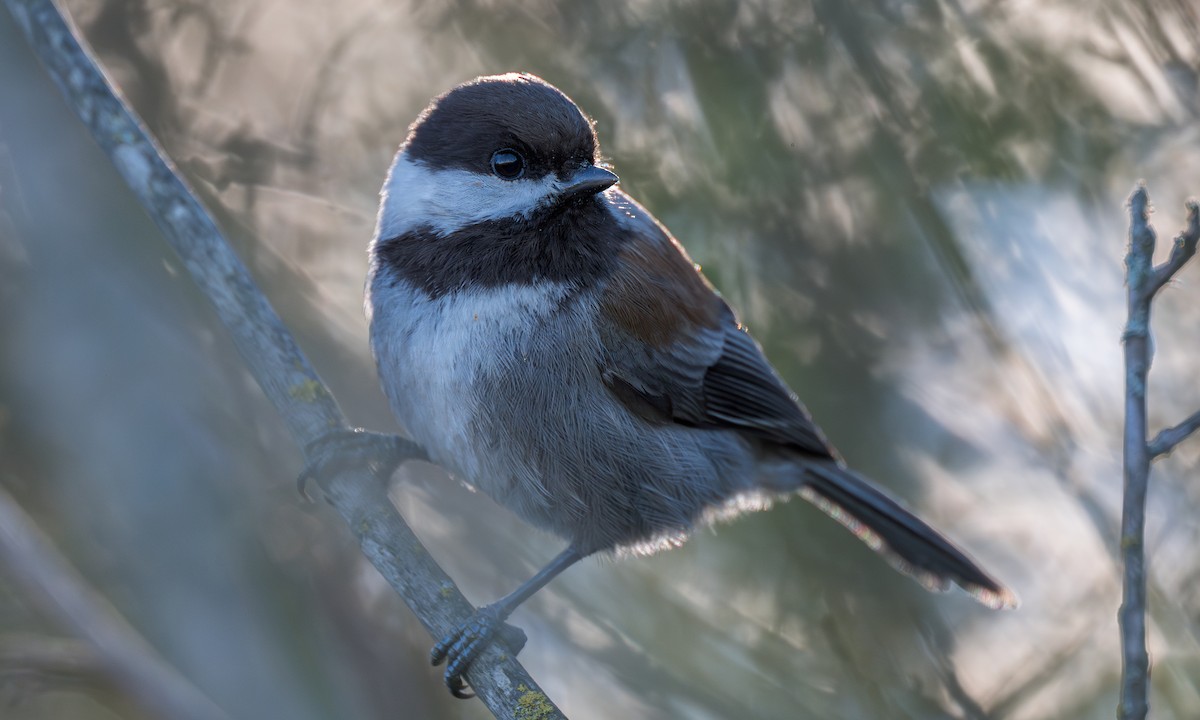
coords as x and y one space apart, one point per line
674 352
715 378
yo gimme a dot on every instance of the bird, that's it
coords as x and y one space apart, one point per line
545 339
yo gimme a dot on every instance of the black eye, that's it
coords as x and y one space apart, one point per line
508 164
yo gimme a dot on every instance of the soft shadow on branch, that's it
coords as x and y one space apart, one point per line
1143 281
268 350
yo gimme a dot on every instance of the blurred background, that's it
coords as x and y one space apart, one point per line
917 206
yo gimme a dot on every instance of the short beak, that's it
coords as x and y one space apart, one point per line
588 180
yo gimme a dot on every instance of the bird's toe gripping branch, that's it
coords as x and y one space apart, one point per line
342 449
464 644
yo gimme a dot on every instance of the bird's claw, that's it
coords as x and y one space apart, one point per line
342 449
464 645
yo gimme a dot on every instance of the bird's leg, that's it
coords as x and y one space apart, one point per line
341 449
460 648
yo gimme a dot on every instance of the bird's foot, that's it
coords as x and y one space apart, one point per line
340 450
463 646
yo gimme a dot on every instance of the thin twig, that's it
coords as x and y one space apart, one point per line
1143 280
33 562
1166 440
1182 251
268 350
1135 662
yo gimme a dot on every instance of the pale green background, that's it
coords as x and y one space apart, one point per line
916 206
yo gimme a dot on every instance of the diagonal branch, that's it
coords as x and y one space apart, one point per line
1166 440
268 349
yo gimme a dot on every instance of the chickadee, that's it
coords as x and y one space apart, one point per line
546 340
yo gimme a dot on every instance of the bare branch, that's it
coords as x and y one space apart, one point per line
35 564
1135 662
1143 280
1181 252
1166 440
268 350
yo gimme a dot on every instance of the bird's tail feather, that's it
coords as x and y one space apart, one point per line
888 528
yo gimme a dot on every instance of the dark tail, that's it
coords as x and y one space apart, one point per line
888 528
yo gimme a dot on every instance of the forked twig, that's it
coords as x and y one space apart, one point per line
1143 281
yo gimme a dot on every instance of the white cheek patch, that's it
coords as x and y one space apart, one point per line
448 200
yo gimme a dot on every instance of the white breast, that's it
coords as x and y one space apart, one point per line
435 354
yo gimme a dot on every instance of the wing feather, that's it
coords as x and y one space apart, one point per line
674 351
